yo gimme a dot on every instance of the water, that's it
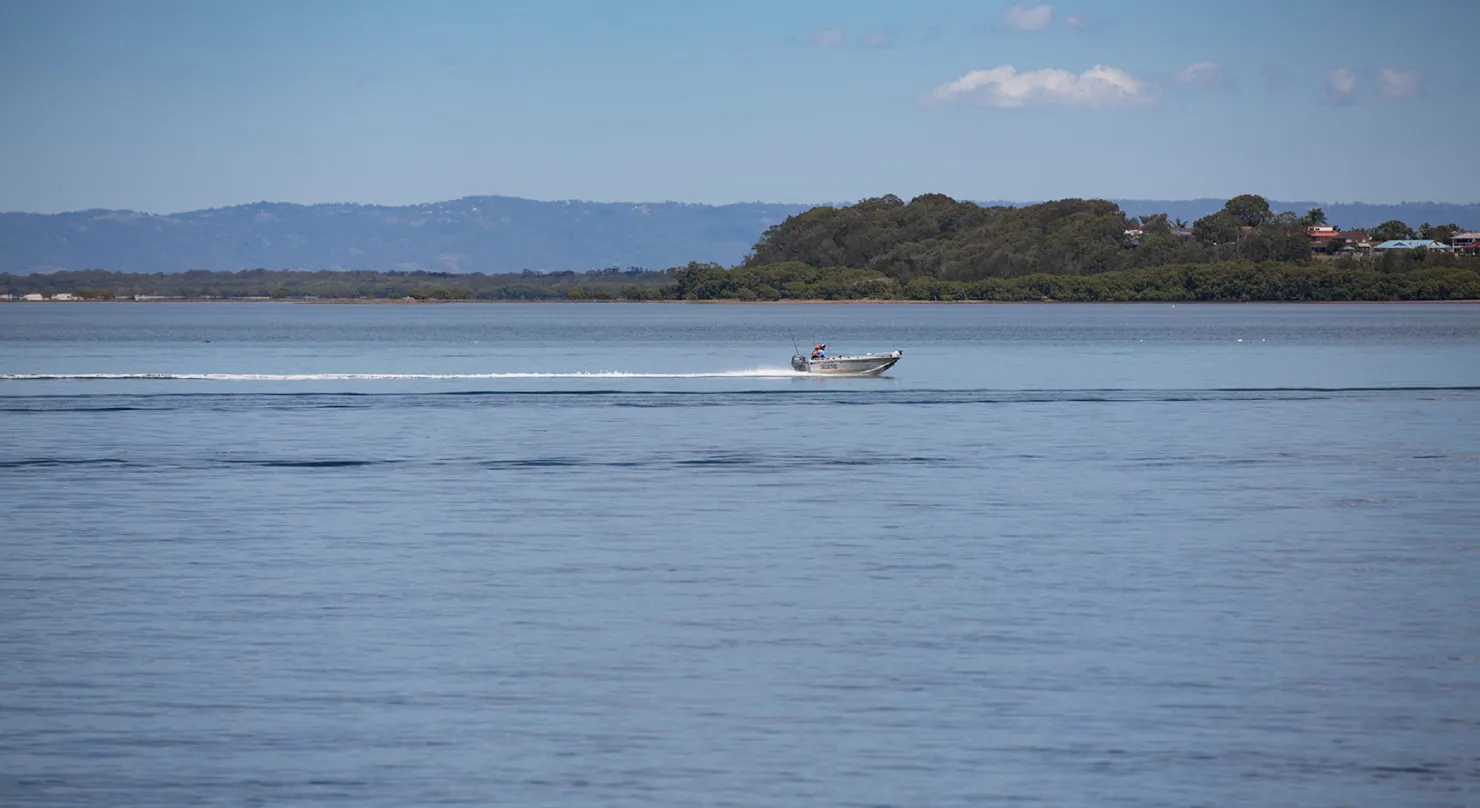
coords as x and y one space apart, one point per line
620 555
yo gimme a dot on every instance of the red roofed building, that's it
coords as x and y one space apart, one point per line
1323 237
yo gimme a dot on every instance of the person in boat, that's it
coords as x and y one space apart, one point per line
817 351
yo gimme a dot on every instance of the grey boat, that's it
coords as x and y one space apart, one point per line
860 365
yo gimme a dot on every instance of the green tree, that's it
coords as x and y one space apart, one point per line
1313 217
1441 233
1392 230
1249 209
1216 228
1156 226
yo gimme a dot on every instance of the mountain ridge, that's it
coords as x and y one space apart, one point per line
486 233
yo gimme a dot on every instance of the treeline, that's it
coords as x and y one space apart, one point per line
936 236
610 283
1234 281
935 248
1343 279
1395 277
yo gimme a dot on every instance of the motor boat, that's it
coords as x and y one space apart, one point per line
860 365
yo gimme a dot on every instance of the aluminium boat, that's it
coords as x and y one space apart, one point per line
860 365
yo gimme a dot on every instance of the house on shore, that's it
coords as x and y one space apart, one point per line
1355 242
1410 244
1329 239
1322 236
1465 243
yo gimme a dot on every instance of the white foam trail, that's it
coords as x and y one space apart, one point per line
756 373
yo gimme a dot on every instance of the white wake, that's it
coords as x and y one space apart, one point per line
755 373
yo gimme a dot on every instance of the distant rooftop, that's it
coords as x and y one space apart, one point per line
1411 244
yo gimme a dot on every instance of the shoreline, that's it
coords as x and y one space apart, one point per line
364 301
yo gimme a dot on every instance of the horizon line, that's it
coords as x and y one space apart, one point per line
638 203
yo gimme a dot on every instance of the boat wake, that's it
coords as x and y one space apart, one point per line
755 373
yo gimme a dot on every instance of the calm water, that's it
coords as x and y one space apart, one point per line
616 555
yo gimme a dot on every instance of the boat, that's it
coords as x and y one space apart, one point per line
860 365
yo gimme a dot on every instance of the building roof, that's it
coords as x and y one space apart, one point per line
1411 244
1467 235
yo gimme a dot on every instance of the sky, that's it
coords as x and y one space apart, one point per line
172 105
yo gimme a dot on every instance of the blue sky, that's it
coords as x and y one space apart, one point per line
169 105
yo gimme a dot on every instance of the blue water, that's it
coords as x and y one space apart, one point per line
619 555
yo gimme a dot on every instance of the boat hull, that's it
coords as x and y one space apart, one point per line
864 365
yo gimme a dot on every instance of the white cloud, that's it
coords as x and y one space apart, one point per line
1397 85
1340 87
1204 76
1005 88
876 39
826 38
1025 18
1083 23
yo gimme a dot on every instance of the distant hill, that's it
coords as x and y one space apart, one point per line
476 234
488 234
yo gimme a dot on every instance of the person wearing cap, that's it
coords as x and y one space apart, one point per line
817 351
